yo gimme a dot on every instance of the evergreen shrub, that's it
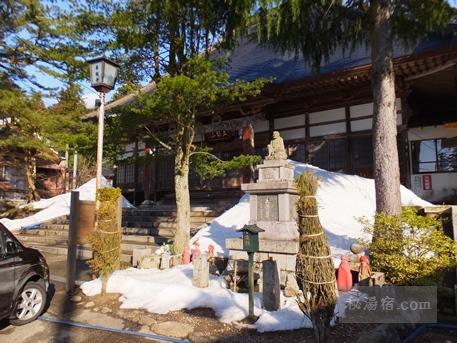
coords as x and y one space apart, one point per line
409 248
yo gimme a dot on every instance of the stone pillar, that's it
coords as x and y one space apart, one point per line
200 276
271 285
272 208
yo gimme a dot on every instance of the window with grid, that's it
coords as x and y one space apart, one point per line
129 174
298 152
120 175
328 154
362 152
434 155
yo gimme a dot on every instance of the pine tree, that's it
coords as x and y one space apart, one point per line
200 86
316 28
36 33
25 117
153 38
65 125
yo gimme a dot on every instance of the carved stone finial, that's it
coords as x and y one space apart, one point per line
276 150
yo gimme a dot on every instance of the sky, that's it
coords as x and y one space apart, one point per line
89 94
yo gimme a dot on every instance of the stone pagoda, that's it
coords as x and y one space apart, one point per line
272 208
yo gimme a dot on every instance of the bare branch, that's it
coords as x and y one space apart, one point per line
153 135
206 153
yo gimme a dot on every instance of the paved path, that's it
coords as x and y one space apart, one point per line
58 267
41 331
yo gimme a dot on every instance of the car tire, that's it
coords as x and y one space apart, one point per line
29 304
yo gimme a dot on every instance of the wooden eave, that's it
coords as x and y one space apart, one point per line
405 67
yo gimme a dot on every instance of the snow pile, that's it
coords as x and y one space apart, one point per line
162 291
342 199
56 207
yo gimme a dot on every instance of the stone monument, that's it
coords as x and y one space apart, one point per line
272 207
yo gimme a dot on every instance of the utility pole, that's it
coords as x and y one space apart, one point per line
66 185
101 124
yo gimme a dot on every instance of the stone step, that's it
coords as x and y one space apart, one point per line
143 239
55 226
45 232
59 220
128 246
129 242
168 213
163 219
161 226
137 234
167 232
48 240
84 252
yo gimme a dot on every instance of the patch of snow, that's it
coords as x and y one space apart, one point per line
288 317
91 288
163 291
224 227
341 198
56 207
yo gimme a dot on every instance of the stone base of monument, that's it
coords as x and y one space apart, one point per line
272 208
283 252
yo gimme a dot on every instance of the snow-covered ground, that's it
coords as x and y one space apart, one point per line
342 199
162 291
55 207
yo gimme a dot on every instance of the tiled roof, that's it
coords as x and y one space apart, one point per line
249 60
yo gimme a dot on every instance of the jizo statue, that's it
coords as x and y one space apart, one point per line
276 150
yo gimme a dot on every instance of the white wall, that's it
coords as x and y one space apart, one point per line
430 132
443 184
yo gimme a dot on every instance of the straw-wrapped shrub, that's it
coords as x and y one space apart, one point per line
106 239
314 269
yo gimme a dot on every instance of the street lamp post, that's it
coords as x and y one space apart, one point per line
103 75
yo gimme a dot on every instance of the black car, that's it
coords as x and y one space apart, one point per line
24 280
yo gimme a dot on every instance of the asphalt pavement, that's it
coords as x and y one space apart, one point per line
59 307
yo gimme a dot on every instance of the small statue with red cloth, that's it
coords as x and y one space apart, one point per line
344 276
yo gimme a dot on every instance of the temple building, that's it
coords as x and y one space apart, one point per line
325 119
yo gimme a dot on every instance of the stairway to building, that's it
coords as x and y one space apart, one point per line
160 222
141 228
52 238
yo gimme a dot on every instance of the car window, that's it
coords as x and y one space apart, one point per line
9 243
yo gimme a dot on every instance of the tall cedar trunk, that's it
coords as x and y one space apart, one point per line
184 141
385 152
182 235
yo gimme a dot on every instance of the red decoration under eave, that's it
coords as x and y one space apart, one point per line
344 276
